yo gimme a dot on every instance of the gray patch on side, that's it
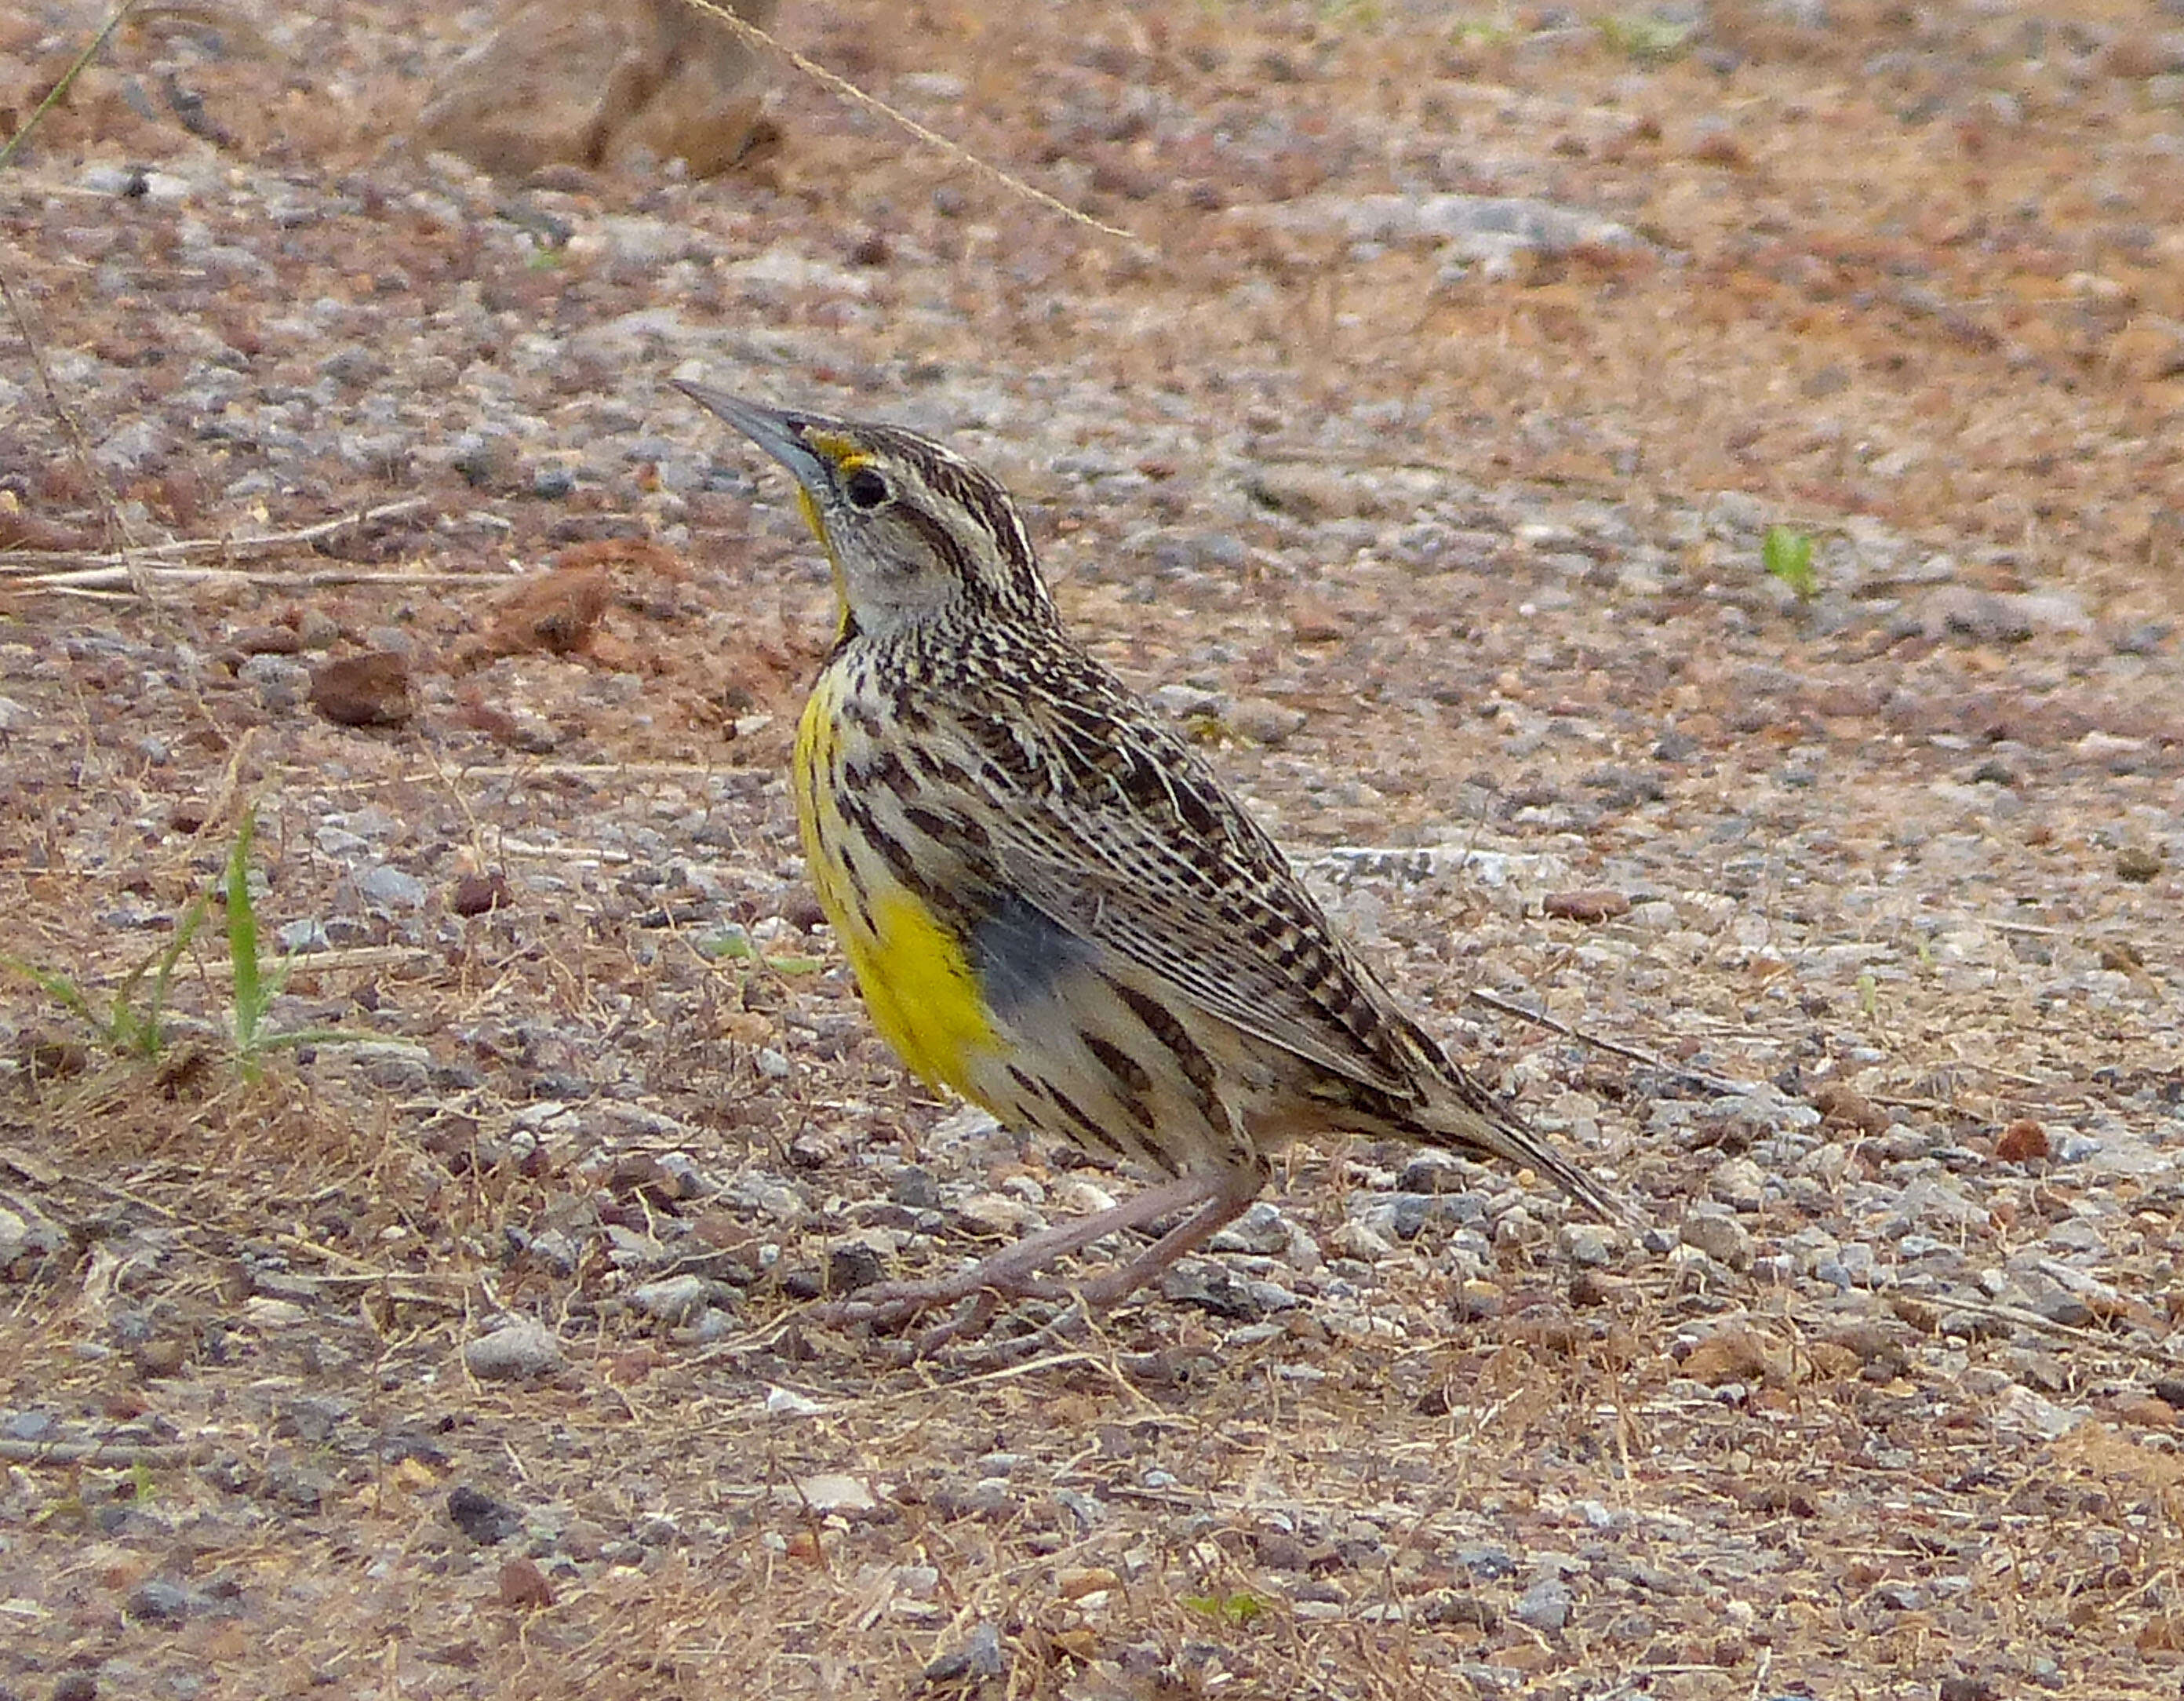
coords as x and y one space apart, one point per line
1019 952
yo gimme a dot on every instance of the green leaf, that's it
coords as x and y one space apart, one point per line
1786 552
57 987
155 1007
250 996
1236 1608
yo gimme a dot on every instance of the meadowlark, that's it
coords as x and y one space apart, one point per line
1051 903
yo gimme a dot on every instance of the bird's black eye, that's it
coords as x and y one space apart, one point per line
865 489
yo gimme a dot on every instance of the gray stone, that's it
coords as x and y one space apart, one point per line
2077 1235
1711 1230
157 1601
282 682
1212 1287
520 1351
1587 1244
1929 1201
1186 701
487 1521
392 888
301 936
1261 1230
1739 1184
913 1186
1265 721
26 1427
834 1492
1545 1605
24 1231
978 1656
678 1299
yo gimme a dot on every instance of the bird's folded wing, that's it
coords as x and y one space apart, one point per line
1217 915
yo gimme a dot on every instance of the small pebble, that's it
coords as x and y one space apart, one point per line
1261 1230
156 1601
677 1299
852 1267
2137 864
1719 1237
1264 721
478 894
1588 1245
913 1186
979 1656
1212 1287
523 1585
371 690
519 1352
1545 1605
1740 1183
392 888
280 683
478 1515
835 1491
1591 905
300 936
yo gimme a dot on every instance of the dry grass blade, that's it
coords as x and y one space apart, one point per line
932 138
19 310
66 80
1722 1084
186 548
124 572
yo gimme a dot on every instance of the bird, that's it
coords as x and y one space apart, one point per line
1053 905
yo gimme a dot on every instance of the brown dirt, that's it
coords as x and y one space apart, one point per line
1457 565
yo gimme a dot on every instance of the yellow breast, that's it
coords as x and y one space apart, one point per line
922 993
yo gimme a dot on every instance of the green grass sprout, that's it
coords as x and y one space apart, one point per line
1786 552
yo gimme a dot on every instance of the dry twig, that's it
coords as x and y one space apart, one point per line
841 85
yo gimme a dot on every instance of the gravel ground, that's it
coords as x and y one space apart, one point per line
1421 463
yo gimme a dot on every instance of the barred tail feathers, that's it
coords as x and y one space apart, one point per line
1474 1121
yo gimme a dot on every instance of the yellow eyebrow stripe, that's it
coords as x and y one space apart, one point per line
841 450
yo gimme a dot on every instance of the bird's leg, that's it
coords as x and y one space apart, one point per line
1233 1196
1214 1196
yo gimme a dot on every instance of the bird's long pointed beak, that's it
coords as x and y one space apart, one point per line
777 432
